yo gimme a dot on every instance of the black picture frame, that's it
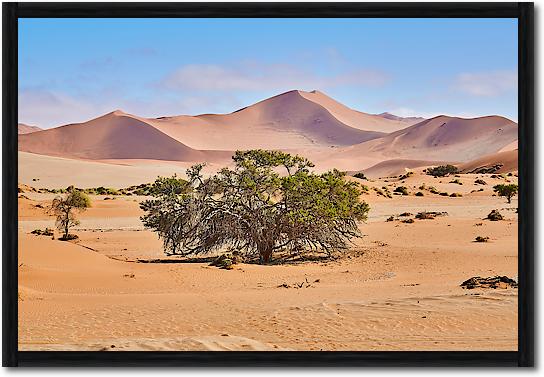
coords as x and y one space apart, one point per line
524 356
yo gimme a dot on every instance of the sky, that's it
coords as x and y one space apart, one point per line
73 70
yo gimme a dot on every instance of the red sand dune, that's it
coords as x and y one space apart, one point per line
113 136
407 120
442 138
290 120
26 129
396 166
508 159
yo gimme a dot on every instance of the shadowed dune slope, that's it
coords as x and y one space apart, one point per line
287 121
113 136
408 120
396 166
508 160
442 138
26 129
354 118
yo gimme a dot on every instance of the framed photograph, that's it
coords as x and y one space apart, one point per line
292 184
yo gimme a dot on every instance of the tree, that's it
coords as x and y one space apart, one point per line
506 190
442 170
64 208
269 201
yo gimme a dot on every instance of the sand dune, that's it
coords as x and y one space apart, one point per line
287 121
407 120
354 118
396 167
441 138
26 129
508 160
113 136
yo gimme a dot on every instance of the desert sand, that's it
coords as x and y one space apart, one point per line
396 289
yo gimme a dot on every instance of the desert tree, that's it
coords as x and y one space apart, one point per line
66 207
269 201
507 191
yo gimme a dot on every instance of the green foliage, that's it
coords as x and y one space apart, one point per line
401 190
442 170
64 209
360 176
255 209
507 191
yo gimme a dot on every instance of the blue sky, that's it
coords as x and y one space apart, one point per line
71 70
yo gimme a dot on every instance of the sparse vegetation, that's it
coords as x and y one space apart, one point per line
494 215
403 190
442 170
457 181
507 191
444 194
64 208
433 190
407 175
481 239
480 182
360 176
408 221
419 193
254 209
456 195
46 232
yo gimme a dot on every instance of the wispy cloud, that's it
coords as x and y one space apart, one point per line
487 84
254 77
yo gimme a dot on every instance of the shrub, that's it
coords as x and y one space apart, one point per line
255 209
407 175
68 237
419 193
433 190
442 170
480 182
401 190
494 215
408 221
360 176
455 195
444 194
46 232
456 181
390 218
481 239
507 191
64 209
405 214
425 215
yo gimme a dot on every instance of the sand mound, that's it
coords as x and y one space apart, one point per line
286 121
505 162
113 136
354 118
396 167
26 129
442 138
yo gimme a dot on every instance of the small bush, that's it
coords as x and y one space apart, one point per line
494 215
407 175
419 193
69 237
480 182
360 176
433 190
508 191
425 215
481 239
442 171
455 195
456 181
401 190
405 214
46 232
408 221
390 218
444 194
